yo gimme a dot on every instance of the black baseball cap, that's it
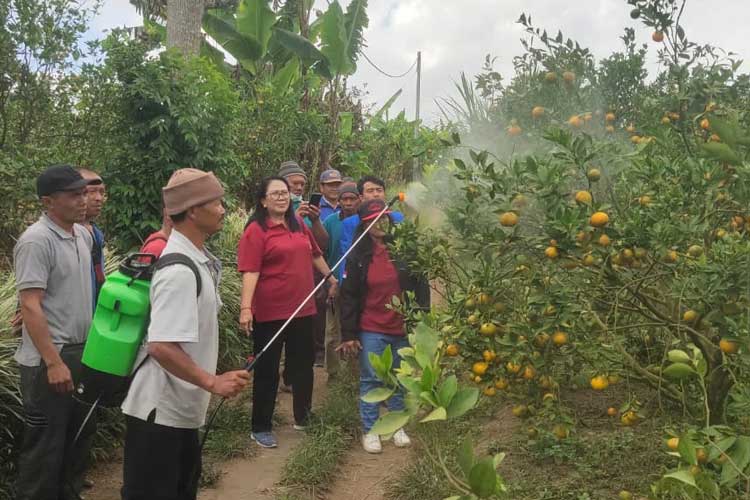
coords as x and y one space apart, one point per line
59 178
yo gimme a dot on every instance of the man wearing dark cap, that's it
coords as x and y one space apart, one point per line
330 182
168 398
52 261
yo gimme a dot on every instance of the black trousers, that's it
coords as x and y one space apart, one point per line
50 464
297 341
161 463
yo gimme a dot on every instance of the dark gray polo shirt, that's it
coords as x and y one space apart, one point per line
48 257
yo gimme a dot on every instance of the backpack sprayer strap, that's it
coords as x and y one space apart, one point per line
172 259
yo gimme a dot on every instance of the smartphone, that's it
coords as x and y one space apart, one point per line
315 199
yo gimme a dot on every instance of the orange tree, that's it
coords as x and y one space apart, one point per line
613 242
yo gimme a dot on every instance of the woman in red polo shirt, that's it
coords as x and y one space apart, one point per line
367 323
276 256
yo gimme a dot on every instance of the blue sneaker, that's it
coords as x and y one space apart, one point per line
264 439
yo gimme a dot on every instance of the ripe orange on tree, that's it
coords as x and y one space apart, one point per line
560 431
705 124
560 338
537 112
509 219
501 384
514 130
728 346
489 391
541 340
550 77
513 367
551 252
451 350
599 219
583 197
488 355
575 121
479 368
599 383
594 174
612 412
604 240
488 329
569 77
690 316
658 36
673 443
644 200
609 117
529 372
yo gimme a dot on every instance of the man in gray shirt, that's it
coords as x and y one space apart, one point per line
52 260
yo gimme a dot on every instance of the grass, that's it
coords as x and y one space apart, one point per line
311 465
229 437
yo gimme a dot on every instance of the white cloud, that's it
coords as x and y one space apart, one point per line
455 37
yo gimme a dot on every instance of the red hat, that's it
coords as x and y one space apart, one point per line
370 209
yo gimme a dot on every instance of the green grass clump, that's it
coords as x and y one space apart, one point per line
311 465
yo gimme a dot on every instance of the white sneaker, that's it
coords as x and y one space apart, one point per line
371 443
400 439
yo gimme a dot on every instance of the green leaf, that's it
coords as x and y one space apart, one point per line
355 23
302 48
284 77
465 457
223 30
333 41
683 476
255 20
447 390
678 371
482 478
464 400
428 379
425 343
686 449
385 107
438 413
740 455
390 423
722 152
678 356
378 394
728 132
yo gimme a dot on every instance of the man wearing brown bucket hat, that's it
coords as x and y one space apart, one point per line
168 398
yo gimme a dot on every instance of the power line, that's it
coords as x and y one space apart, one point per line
388 74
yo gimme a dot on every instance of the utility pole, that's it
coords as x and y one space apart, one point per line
416 174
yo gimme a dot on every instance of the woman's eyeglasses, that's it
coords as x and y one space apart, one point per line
278 195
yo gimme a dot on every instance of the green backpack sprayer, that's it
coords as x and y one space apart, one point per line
119 327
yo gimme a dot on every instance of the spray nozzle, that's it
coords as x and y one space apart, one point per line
399 197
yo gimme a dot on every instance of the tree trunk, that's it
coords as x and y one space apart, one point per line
184 19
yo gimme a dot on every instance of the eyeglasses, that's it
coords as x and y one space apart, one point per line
278 195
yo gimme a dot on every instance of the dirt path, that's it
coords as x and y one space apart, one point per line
242 479
365 476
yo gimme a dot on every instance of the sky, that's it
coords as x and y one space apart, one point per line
456 36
